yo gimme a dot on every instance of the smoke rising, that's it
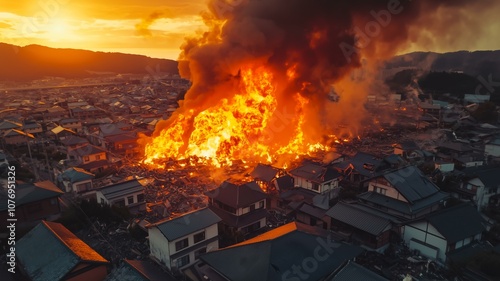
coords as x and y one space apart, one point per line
310 46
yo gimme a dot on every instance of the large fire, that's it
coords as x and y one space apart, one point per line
238 127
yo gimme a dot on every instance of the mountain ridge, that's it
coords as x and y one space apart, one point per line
33 62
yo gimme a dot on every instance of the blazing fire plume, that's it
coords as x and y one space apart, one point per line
266 75
238 127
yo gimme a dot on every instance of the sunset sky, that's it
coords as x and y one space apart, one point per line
123 26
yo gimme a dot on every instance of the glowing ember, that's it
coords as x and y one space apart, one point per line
238 127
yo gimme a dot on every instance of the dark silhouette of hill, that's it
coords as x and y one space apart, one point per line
35 62
475 63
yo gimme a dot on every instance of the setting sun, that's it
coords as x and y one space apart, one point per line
59 29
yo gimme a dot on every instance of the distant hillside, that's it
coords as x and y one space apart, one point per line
476 63
35 62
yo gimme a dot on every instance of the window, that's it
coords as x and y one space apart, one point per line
86 158
120 203
130 200
380 190
140 197
199 252
260 205
179 245
98 157
183 261
315 187
199 237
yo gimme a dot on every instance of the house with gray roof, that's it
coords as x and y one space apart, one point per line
480 185
353 271
241 206
316 178
34 202
51 252
363 225
178 242
76 180
128 193
406 193
446 230
290 252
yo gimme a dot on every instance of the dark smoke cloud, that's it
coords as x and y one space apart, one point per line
308 34
142 28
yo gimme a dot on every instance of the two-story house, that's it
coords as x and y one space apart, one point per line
435 235
405 193
76 180
34 201
90 158
128 193
241 206
317 178
178 242
479 184
51 252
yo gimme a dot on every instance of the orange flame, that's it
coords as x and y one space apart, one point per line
236 128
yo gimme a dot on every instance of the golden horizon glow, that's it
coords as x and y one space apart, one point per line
157 28
94 26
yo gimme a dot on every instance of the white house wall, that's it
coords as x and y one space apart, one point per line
157 246
425 232
210 232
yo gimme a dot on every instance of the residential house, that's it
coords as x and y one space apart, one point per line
33 128
317 178
452 150
361 167
290 252
7 125
73 124
138 270
265 175
405 193
51 252
179 242
124 144
128 193
311 214
353 271
76 180
16 137
87 112
60 133
241 206
446 230
55 113
480 185
90 158
36 201
73 142
363 225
